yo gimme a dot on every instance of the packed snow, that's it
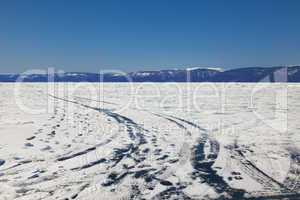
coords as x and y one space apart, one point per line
149 141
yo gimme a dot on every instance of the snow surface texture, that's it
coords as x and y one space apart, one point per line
149 141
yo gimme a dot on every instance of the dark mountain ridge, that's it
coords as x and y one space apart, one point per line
251 74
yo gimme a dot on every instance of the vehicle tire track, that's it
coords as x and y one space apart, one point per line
201 161
292 180
214 144
254 172
83 152
131 151
203 164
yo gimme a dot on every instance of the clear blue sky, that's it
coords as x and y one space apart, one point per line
130 35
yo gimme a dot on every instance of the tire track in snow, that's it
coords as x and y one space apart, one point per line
131 151
129 123
292 180
86 151
106 102
259 175
201 161
202 164
214 144
173 190
254 172
17 165
173 121
150 179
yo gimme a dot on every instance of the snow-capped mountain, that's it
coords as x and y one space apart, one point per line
194 74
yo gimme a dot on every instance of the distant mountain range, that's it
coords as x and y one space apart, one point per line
251 74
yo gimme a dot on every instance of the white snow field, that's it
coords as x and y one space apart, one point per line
149 141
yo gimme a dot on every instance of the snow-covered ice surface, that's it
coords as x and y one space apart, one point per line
149 141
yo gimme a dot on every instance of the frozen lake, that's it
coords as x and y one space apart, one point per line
149 141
